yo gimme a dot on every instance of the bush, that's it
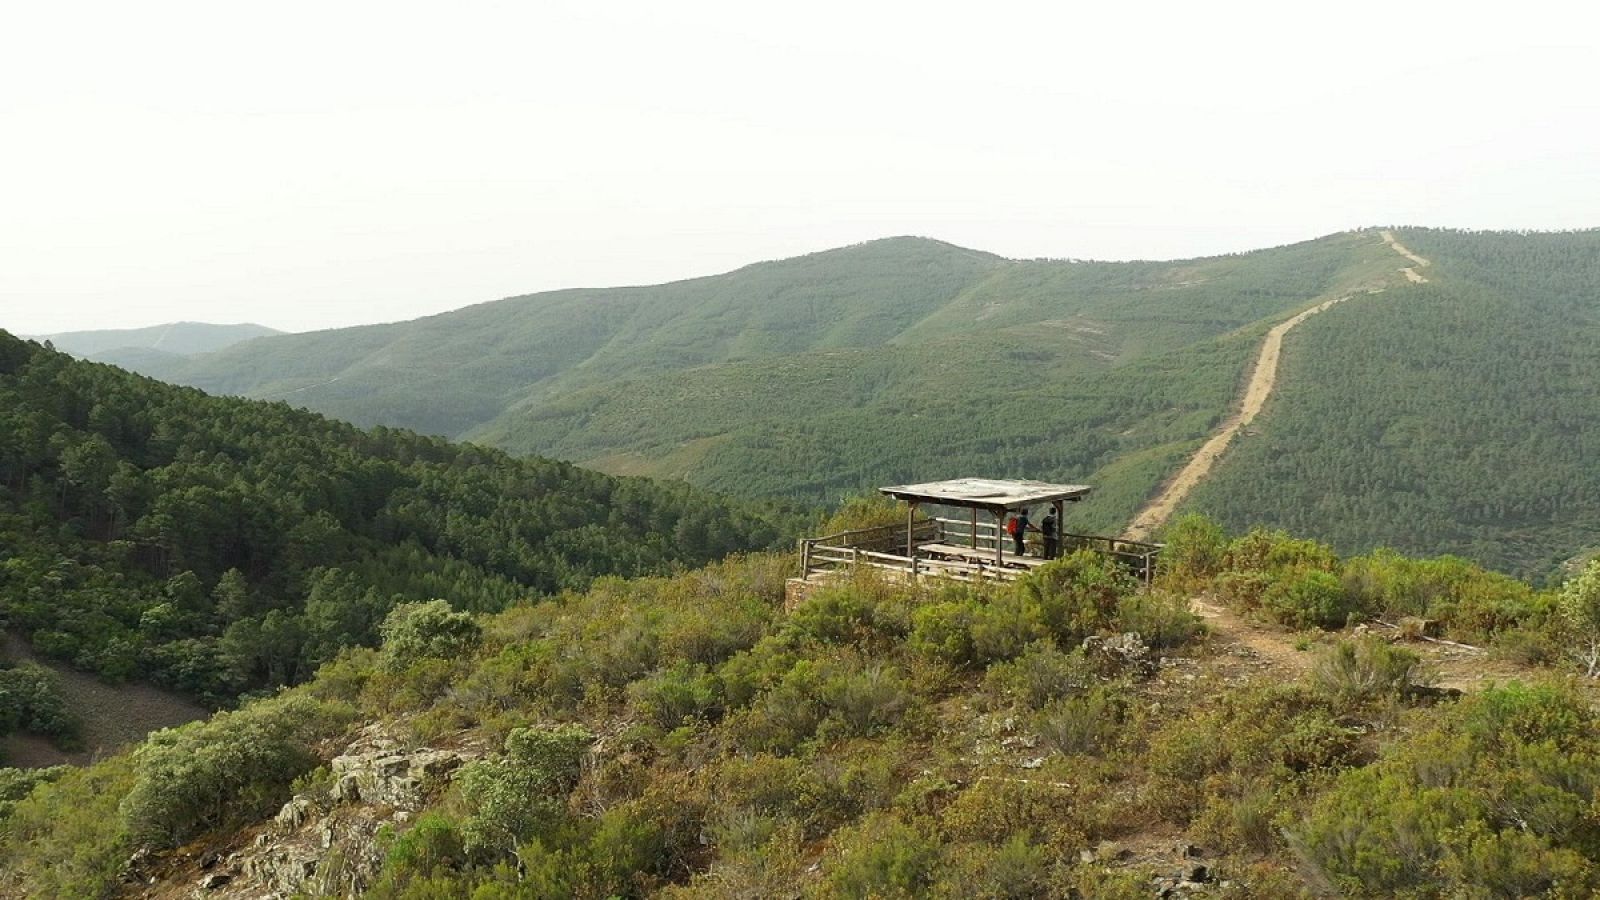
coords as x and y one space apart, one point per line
1078 594
881 857
1015 869
15 784
943 631
1196 548
1085 724
1313 599
1161 620
234 768
868 700
521 796
30 700
833 615
1495 799
1004 627
1040 675
414 631
1367 669
685 692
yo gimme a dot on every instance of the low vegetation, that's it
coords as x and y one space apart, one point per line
682 736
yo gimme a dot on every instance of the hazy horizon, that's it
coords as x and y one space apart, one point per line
329 166
690 277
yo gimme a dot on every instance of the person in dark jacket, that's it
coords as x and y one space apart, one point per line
1052 535
1020 535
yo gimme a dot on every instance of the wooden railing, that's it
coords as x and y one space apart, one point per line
884 547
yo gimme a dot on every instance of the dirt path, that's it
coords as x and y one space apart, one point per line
1276 650
1411 273
1263 379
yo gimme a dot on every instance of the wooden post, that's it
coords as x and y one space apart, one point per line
805 559
1059 506
974 528
1000 537
911 530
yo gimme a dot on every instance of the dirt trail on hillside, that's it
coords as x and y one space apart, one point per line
1411 273
1263 379
1450 666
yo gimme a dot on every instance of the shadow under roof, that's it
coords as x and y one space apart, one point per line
987 493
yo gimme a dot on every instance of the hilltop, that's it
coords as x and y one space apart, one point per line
815 377
822 376
1067 735
154 346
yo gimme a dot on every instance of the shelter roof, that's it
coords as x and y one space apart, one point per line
987 493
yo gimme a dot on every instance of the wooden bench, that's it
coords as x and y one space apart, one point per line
980 555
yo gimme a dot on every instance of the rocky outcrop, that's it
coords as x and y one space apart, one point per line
324 842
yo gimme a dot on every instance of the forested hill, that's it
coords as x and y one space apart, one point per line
174 338
1461 415
828 374
216 545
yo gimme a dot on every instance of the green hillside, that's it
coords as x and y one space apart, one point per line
1449 416
219 545
122 345
819 376
1069 735
1461 415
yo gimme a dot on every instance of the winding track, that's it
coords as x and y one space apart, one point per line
1257 391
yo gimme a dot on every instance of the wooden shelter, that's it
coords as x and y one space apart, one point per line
995 496
970 547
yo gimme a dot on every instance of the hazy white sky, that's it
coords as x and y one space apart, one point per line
306 165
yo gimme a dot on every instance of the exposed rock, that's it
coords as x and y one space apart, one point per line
293 814
1126 650
328 847
215 880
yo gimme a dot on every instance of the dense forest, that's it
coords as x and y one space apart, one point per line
1460 416
217 545
1068 735
826 375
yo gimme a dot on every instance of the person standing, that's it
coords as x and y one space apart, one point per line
1020 534
1052 536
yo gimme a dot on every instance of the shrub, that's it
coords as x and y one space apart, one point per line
1276 551
234 768
1041 674
685 692
1084 724
1367 669
1313 599
30 700
1004 627
943 631
881 857
1494 799
1196 548
833 615
1015 869
522 795
1161 620
414 631
1078 594
1580 613
15 784
868 700
431 847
